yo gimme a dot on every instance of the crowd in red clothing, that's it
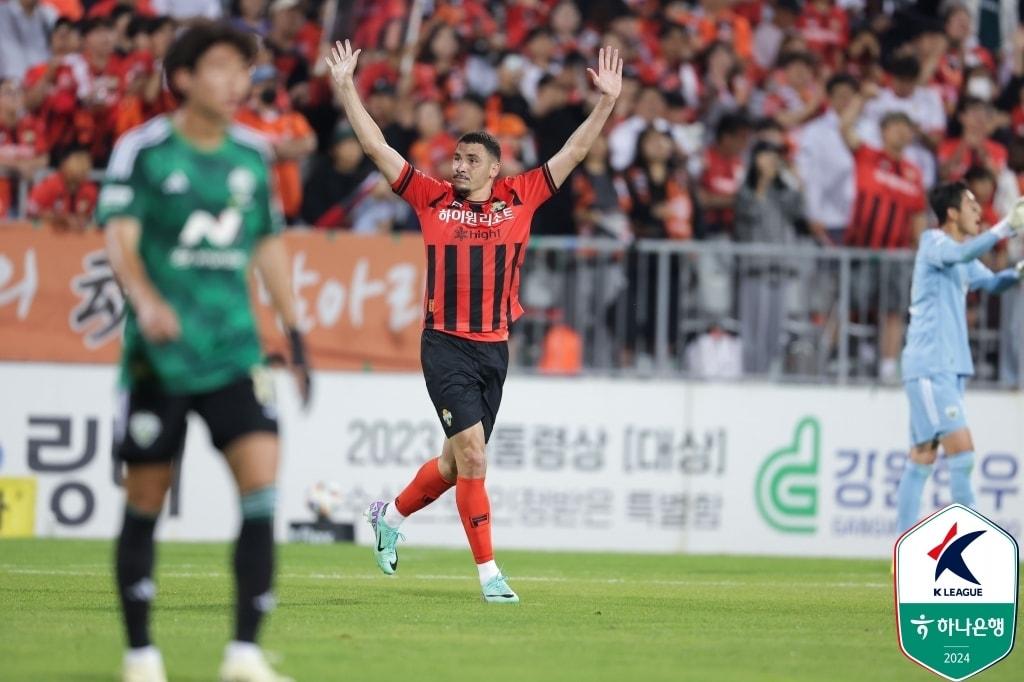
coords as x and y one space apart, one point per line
704 81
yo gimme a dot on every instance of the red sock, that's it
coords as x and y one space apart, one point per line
475 510
425 487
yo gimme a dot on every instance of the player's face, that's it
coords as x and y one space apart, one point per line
970 213
473 168
220 82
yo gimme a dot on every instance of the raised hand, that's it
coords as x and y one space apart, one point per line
342 62
608 78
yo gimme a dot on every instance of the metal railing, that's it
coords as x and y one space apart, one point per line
795 313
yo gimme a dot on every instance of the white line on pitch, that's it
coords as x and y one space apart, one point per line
435 577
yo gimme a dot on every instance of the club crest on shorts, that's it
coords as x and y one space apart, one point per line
446 417
144 428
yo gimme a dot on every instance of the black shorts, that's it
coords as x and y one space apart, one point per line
464 379
151 423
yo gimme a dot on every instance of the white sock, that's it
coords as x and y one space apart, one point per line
141 653
243 649
487 570
392 516
889 369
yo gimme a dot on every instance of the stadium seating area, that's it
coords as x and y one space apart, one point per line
731 126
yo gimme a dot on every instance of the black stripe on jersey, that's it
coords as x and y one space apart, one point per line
869 225
853 235
451 287
435 202
428 318
499 285
551 181
888 232
511 281
403 183
476 288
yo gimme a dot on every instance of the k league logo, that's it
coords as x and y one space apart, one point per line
956 584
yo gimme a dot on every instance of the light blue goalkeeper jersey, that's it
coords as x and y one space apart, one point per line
944 271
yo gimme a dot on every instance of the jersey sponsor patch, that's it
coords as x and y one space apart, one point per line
115 197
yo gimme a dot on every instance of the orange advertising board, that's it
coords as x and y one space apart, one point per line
359 298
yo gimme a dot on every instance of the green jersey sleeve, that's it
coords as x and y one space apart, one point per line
126 190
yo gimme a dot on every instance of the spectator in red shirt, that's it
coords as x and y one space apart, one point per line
723 174
23 148
97 73
982 184
43 80
973 147
889 213
66 198
433 149
825 27
963 53
797 95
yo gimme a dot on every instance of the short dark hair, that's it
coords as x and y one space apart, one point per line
944 197
968 102
189 47
64 21
839 80
976 173
88 25
795 57
896 116
731 124
483 137
905 68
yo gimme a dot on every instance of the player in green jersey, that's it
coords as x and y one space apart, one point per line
188 209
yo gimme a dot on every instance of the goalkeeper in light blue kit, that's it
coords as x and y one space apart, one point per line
937 357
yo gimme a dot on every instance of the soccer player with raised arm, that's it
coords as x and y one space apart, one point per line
475 229
188 208
937 356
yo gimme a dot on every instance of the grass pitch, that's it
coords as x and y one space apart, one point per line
594 617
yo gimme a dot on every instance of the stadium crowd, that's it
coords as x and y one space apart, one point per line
822 121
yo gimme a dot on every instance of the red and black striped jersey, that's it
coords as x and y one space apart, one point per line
890 192
474 250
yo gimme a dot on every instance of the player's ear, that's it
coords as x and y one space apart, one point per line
495 169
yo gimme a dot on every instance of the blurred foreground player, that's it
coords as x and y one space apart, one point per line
475 229
188 207
937 356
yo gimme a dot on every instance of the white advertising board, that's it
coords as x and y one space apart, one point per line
589 464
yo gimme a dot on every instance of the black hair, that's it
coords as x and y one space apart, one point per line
754 173
87 26
139 25
730 124
795 57
64 21
483 137
118 12
839 80
969 102
905 68
189 47
976 173
60 153
944 197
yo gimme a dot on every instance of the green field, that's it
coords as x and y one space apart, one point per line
591 617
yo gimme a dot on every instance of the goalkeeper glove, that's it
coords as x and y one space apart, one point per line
300 366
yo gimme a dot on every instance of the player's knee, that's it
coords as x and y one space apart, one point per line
472 462
146 500
923 455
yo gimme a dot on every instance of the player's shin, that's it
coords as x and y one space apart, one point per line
475 511
908 495
134 559
960 466
254 562
426 486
